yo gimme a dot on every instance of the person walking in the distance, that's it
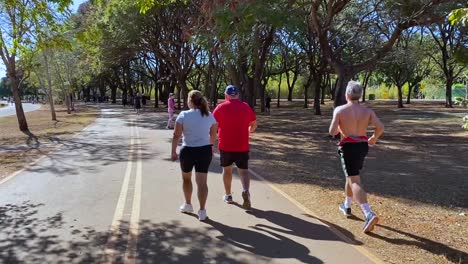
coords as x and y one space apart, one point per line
236 120
170 110
137 103
198 128
351 121
268 104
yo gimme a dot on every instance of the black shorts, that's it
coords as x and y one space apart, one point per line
198 157
241 159
352 157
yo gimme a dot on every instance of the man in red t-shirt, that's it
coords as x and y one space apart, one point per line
236 120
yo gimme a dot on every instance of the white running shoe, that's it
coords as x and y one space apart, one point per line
186 208
202 215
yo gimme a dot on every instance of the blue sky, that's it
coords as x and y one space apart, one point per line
73 7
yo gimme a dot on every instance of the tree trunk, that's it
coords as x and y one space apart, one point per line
448 93
290 91
400 96
279 90
316 84
410 91
22 123
366 82
49 89
340 90
67 103
306 93
113 93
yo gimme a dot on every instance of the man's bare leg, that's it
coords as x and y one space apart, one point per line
245 179
227 179
361 197
356 188
349 194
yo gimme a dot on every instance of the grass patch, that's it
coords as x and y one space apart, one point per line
44 134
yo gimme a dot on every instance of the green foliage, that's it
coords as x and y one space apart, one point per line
459 16
465 120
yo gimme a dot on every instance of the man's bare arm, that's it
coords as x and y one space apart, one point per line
378 128
253 126
335 124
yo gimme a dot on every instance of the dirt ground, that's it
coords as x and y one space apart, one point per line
18 149
416 177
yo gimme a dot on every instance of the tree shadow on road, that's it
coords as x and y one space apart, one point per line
30 234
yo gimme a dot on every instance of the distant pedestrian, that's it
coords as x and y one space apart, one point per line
124 101
137 103
143 100
267 104
236 121
170 110
198 128
351 121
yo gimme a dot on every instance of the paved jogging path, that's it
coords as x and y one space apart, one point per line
111 195
10 109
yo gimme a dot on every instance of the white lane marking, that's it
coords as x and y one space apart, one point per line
109 252
11 176
131 252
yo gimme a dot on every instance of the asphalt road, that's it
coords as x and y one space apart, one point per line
10 109
111 195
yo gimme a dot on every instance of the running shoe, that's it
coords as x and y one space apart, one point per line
246 204
371 221
227 198
344 210
202 215
186 208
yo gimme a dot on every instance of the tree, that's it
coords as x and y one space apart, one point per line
406 64
22 27
452 43
355 35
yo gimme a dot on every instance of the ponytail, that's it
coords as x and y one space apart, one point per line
199 102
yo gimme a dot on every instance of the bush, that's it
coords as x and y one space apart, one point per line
465 121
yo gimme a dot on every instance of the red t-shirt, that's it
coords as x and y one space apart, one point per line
234 118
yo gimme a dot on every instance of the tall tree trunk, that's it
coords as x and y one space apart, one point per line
448 93
290 91
400 96
279 90
366 83
316 85
340 90
306 93
22 123
49 88
410 91
67 102
113 92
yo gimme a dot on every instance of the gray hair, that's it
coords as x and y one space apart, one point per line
354 90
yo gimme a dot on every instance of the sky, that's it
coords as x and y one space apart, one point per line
73 7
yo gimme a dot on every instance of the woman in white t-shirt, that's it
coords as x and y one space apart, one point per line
198 128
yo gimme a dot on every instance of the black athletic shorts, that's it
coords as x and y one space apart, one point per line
241 159
352 157
198 157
